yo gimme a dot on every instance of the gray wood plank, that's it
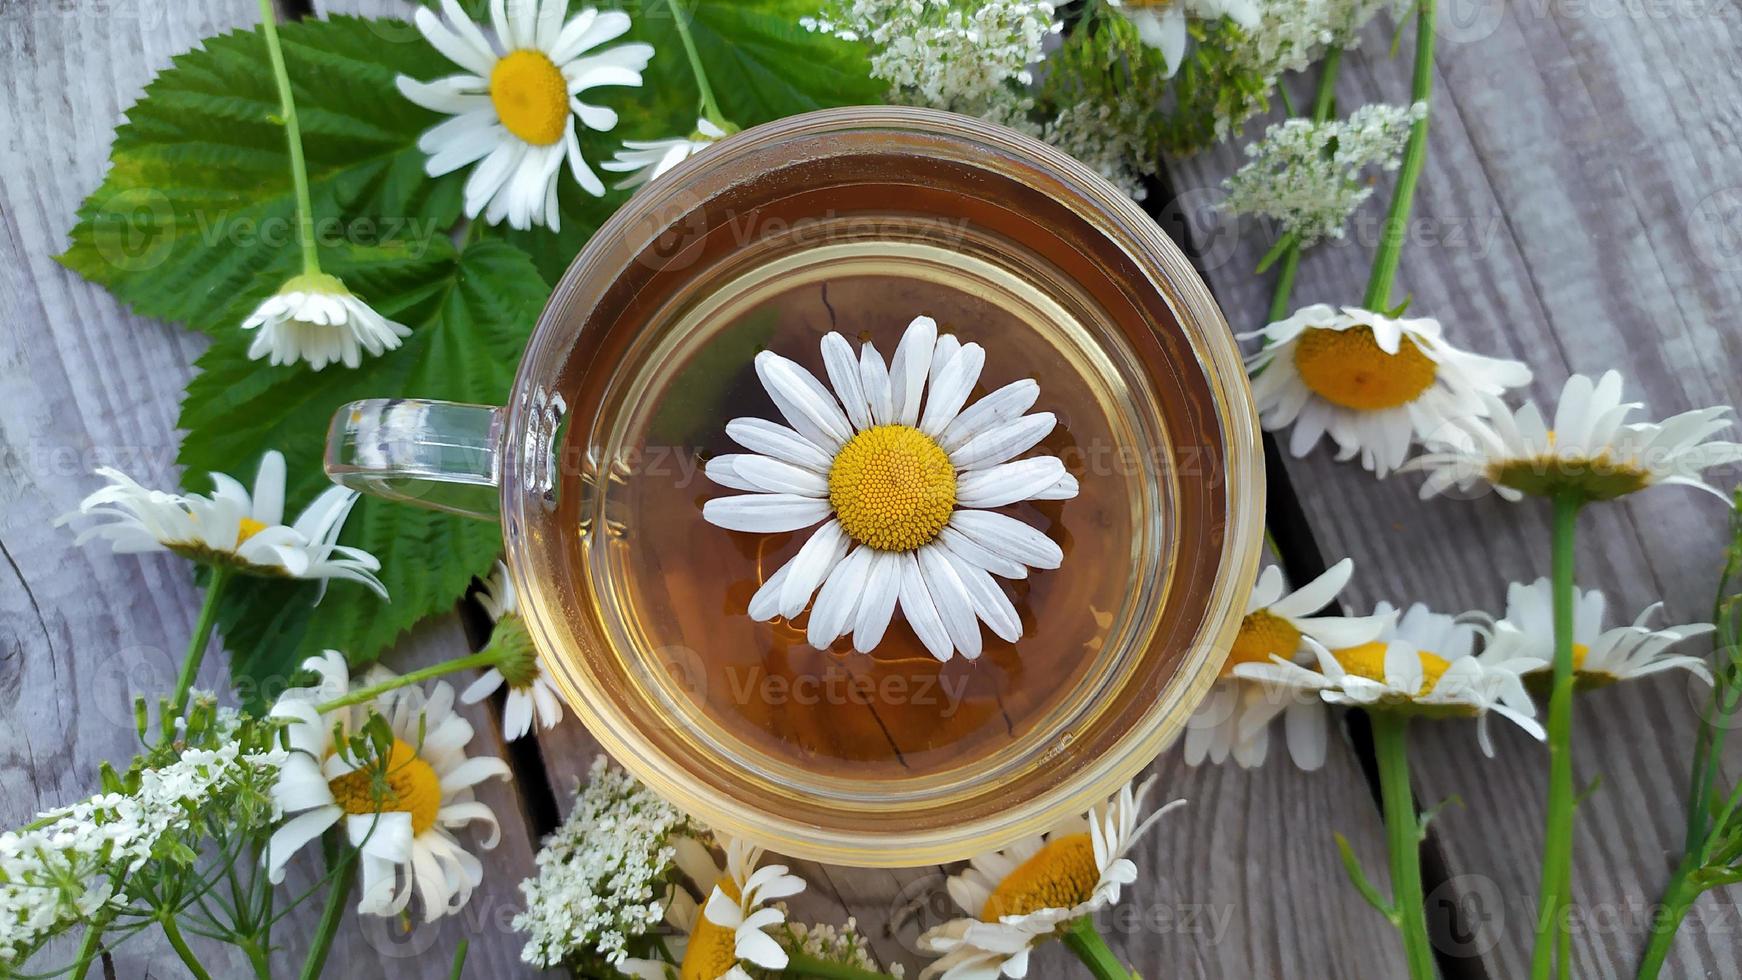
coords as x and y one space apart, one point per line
1577 212
83 384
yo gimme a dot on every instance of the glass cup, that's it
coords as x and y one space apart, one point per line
637 606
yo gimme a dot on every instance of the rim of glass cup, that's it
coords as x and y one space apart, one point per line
637 223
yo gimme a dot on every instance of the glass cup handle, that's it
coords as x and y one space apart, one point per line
442 455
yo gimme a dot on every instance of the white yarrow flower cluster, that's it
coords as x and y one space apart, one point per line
1105 138
1307 175
602 876
67 867
935 53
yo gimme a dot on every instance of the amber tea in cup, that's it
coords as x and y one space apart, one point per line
857 221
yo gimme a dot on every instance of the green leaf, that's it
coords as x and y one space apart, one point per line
195 220
470 314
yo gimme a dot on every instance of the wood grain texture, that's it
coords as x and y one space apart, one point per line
1578 212
82 384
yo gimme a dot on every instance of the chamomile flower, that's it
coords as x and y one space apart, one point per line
732 926
1373 383
646 160
1021 896
399 811
231 528
1234 719
1590 450
313 317
904 480
1161 24
516 101
530 691
1600 656
1423 665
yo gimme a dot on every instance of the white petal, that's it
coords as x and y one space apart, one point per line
1006 403
910 366
843 370
944 402
839 599
877 605
776 476
811 566
990 602
1008 483
1006 441
1007 536
921 612
954 606
802 399
764 513
774 439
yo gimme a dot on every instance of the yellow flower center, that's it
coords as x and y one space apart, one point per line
892 487
713 949
1060 876
1368 660
250 527
1347 368
530 96
1261 634
406 785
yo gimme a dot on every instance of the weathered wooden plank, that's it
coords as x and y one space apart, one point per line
83 384
1577 212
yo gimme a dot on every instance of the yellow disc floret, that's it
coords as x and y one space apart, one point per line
530 96
1347 368
892 487
1061 875
1368 660
1262 635
248 528
713 949
406 784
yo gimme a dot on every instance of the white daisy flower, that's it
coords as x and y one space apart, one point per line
904 480
1234 719
731 928
1600 656
1020 896
516 102
1422 665
399 811
1589 450
1161 24
315 318
646 160
230 527
1373 382
530 691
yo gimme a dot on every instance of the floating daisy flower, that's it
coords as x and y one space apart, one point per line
1373 383
646 160
1423 665
1161 24
1235 718
530 691
1600 656
1020 896
904 480
1590 451
399 811
315 318
231 528
516 103
732 927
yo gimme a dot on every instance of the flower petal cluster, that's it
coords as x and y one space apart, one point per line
314 317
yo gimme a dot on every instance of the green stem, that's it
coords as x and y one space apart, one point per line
1557 856
190 662
91 948
483 658
172 932
257 959
305 212
1084 940
1323 100
459 966
710 108
337 894
1678 897
1403 840
1414 156
801 965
